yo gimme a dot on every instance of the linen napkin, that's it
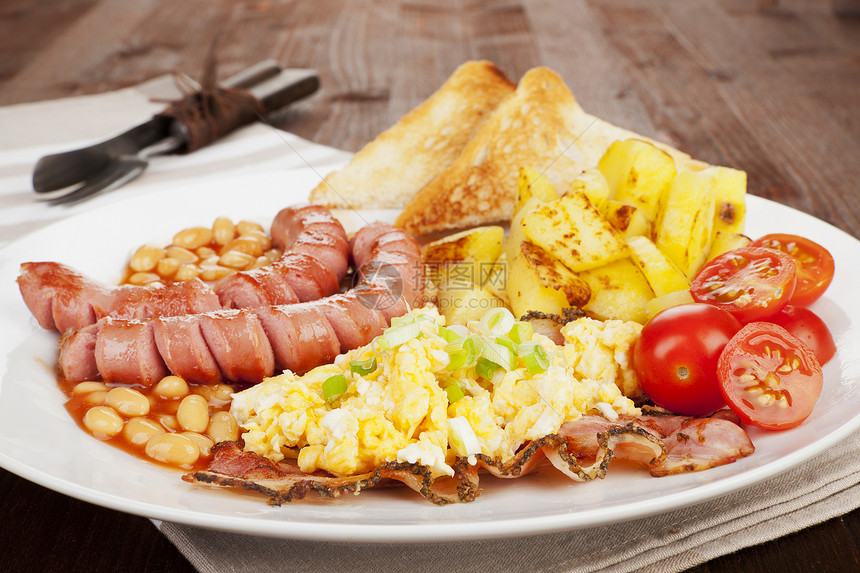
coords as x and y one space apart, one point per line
824 487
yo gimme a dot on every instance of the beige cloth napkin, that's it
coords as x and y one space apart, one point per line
824 487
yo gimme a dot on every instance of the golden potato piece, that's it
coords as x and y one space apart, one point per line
618 290
639 174
533 183
574 232
663 276
684 231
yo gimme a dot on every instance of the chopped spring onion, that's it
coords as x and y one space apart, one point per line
334 387
500 354
402 320
448 335
498 321
463 353
459 329
462 438
397 335
507 343
486 368
362 367
534 357
454 392
521 332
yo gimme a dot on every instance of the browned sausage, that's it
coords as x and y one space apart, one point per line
316 254
250 344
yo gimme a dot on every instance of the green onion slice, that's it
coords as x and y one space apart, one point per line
403 320
363 367
462 438
500 354
397 335
448 335
486 368
454 392
334 387
463 353
534 356
507 343
521 332
498 321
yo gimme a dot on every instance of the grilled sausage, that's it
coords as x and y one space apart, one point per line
315 259
249 344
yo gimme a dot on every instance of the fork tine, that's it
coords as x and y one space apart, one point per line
107 180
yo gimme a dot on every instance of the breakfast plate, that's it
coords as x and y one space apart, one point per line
40 441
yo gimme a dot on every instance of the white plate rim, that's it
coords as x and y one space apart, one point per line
419 532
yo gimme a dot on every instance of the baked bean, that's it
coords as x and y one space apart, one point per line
103 422
204 443
127 401
167 267
145 258
247 244
261 261
184 255
193 237
223 427
215 272
223 231
171 387
193 413
221 393
206 253
186 272
139 430
245 227
260 237
87 387
174 449
143 278
96 398
205 391
236 260
169 422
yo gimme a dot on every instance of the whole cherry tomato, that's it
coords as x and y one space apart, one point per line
676 355
752 283
804 324
815 266
769 378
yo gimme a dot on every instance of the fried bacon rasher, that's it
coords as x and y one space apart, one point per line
582 450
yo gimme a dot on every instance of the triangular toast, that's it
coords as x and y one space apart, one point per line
391 169
540 126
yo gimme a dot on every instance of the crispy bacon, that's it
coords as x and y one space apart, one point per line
283 481
582 450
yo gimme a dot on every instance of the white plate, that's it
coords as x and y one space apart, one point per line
39 440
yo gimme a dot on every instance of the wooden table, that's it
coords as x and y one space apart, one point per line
770 87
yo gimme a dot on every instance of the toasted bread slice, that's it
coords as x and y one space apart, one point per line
391 169
540 126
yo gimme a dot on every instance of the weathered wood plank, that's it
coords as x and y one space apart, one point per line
23 21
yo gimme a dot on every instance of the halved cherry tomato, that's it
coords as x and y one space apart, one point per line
752 283
814 264
675 357
804 324
769 378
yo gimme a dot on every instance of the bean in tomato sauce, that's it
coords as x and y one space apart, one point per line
172 423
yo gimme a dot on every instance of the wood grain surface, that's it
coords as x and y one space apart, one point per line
771 87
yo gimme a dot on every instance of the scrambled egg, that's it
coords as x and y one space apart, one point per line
401 404
603 351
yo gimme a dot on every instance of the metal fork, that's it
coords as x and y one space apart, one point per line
73 176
